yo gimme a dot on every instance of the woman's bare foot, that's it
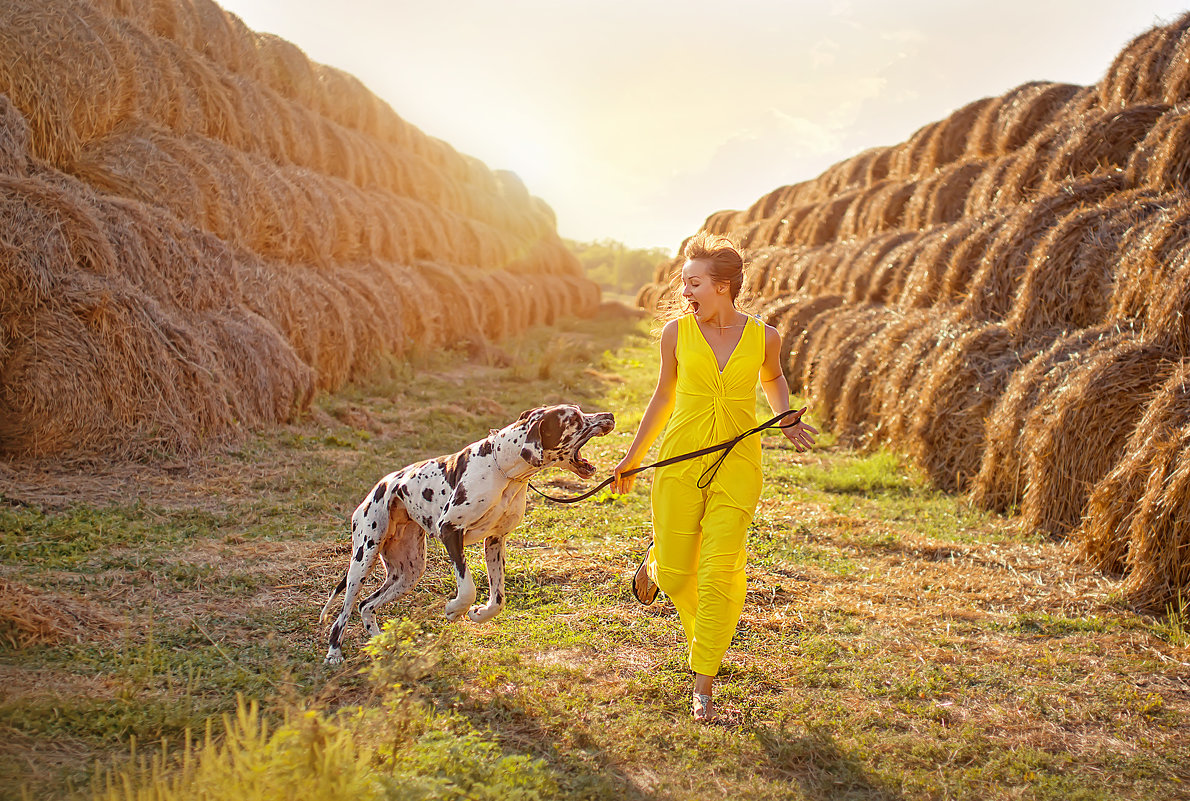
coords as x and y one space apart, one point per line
703 711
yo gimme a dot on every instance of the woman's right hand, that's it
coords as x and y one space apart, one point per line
622 484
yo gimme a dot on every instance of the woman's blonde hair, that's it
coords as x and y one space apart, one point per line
726 267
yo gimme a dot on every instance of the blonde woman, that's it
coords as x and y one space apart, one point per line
711 357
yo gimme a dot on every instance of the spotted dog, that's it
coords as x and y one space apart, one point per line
477 494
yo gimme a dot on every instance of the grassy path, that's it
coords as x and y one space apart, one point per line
895 643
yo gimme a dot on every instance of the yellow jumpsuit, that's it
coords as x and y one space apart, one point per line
699 535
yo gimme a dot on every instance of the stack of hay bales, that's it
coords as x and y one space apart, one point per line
1005 297
200 227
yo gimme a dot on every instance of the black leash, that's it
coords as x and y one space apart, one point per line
707 476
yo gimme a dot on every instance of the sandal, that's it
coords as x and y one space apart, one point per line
643 588
702 710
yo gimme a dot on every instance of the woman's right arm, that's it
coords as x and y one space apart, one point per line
657 413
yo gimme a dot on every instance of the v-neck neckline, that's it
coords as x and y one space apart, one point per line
734 348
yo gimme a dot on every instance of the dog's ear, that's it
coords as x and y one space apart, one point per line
525 415
543 435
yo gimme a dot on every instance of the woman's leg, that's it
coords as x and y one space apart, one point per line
673 563
722 582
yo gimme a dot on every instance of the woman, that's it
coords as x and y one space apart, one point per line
711 356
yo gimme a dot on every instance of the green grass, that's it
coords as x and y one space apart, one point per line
896 642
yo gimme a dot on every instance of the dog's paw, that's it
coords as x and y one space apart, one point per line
333 658
453 616
481 614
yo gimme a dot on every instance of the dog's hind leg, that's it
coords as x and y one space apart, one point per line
367 520
404 555
493 551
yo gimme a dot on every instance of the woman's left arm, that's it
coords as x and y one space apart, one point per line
776 390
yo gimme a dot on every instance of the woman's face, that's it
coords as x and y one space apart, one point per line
699 290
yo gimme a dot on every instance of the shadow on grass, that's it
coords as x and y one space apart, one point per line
815 761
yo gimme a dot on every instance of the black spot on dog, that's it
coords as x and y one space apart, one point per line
373 525
453 467
485 448
460 496
428 494
380 489
354 524
403 490
499 598
359 554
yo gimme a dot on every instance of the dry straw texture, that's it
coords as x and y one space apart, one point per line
1003 296
212 227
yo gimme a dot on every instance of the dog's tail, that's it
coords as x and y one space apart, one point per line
326 609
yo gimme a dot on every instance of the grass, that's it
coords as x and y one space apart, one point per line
896 642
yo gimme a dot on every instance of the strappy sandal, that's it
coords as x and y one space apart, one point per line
702 711
643 588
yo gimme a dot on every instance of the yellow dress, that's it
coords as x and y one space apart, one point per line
699 535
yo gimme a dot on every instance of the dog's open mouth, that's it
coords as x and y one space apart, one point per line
577 464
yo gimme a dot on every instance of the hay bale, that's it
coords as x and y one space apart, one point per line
1103 535
857 423
1101 140
890 273
1075 437
835 352
1000 482
1161 160
852 274
927 269
55 68
796 328
1018 114
810 348
1147 260
988 191
883 209
1137 75
1068 281
910 364
946 434
1158 544
993 287
948 143
1168 319
14 139
271 383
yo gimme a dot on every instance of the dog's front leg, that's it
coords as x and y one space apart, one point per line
452 537
493 551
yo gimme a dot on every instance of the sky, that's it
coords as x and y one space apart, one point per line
637 119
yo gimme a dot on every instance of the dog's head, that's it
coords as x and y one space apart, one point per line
555 434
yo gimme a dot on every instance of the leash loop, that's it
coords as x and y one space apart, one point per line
707 476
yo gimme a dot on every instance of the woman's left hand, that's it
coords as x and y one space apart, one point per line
801 435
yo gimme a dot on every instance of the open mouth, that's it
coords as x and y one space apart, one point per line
694 306
577 464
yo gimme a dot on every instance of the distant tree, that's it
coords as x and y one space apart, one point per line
615 266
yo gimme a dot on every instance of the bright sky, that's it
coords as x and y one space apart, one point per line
636 119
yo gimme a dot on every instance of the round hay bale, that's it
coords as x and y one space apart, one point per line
988 190
1077 435
1000 482
1158 543
911 159
856 422
1068 281
1138 73
946 434
158 91
854 271
1103 535
910 365
822 225
810 349
1161 160
271 384
882 210
1147 260
926 271
795 329
889 274
1013 118
836 350
1176 80
1102 140
56 69
103 371
948 143
994 285
14 139
1168 319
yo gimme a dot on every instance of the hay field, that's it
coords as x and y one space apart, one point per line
1003 297
200 228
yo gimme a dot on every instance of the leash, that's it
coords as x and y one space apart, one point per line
707 476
